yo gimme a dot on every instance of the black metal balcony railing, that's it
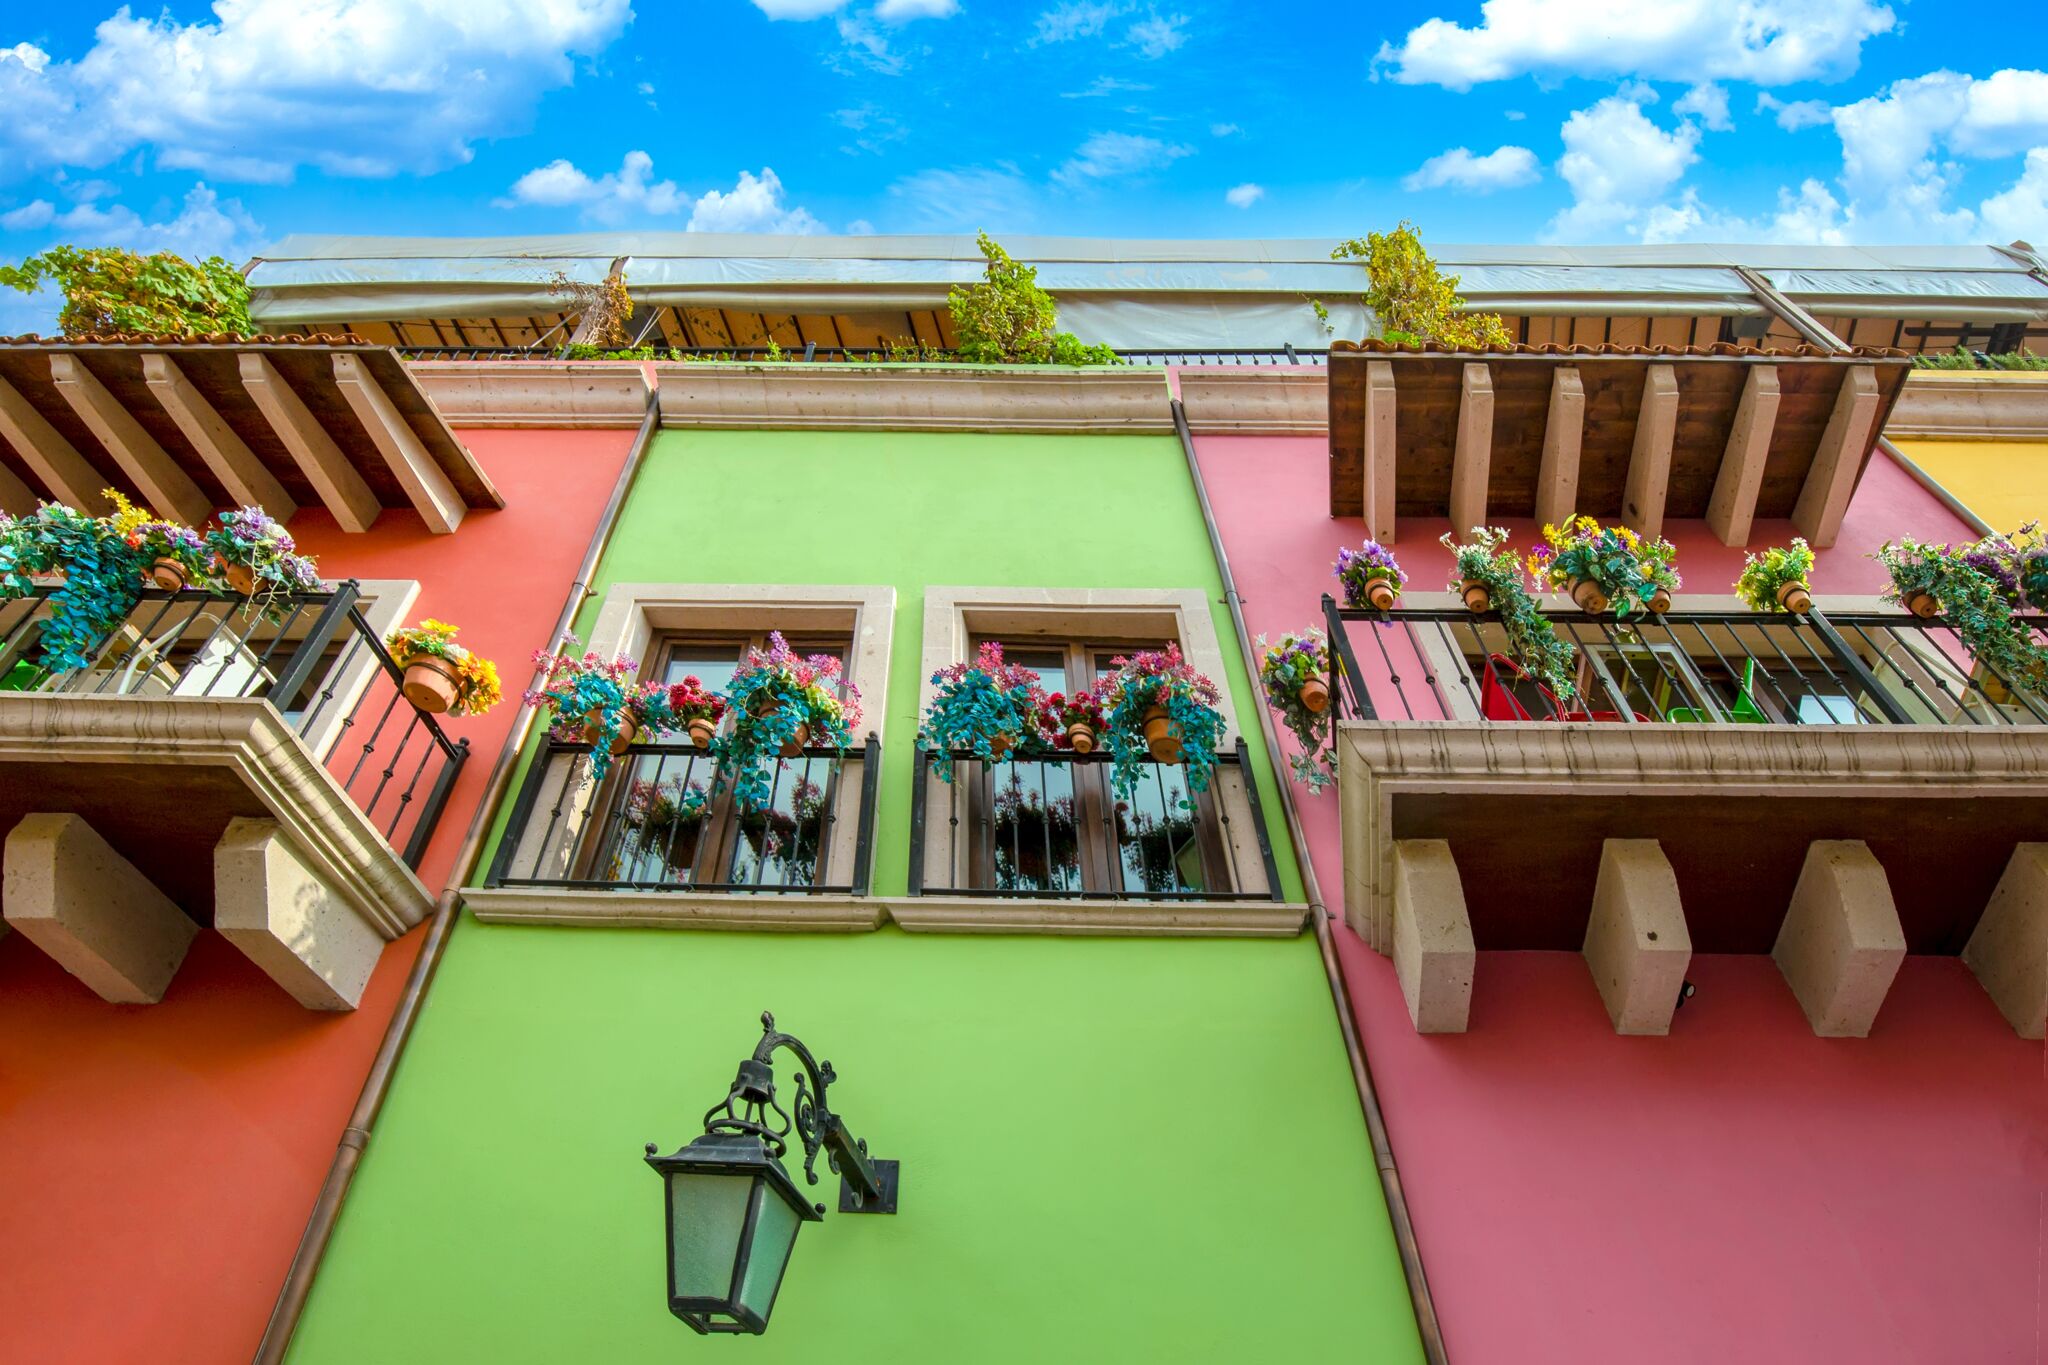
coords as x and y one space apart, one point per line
657 822
316 660
1237 355
1862 668
1049 827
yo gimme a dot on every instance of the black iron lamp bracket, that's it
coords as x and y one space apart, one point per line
866 1184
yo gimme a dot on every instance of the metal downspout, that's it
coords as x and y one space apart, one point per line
348 1152
1361 1071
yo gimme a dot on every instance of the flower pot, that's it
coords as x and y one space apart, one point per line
168 574
1379 595
1081 737
1315 696
430 683
241 579
1920 604
703 731
629 729
1477 600
1660 602
767 704
793 747
1794 597
1587 594
1160 741
998 745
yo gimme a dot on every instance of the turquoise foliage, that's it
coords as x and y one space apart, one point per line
978 704
771 696
1165 680
102 580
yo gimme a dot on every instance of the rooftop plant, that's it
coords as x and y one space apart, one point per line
1360 569
1486 563
602 309
784 703
107 290
1285 667
1413 300
1962 358
1601 565
1777 579
1159 691
987 707
1007 318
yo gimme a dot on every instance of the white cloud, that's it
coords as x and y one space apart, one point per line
903 11
1812 216
1763 42
353 87
798 9
1709 104
1244 196
1794 114
2021 212
860 227
1111 156
1158 34
1514 115
866 45
965 199
1618 163
203 226
1075 19
1106 85
629 193
1500 169
1898 148
1223 129
752 205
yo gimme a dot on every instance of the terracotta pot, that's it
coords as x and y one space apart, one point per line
1587 594
1081 737
998 745
1315 696
1921 604
1795 598
430 683
1660 602
1380 595
702 732
1477 600
629 729
1160 740
793 747
241 579
168 574
765 705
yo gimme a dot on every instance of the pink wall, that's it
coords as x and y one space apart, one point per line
157 1162
1740 1190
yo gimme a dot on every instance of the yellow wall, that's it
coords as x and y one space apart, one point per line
2004 482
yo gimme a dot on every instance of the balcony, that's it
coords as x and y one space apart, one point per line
656 841
1043 840
261 773
1836 789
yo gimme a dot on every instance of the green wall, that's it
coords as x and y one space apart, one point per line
1114 1149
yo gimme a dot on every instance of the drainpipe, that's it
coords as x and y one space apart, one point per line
348 1153
1361 1072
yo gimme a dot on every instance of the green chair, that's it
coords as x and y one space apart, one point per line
1745 710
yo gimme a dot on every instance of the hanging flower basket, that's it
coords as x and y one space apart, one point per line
1160 741
1600 567
794 746
785 702
239 577
1295 676
431 684
1156 704
1072 721
1081 738
696 708
1486 563
441 675
986 708
1586 595
1478 600
1370 576
168 574
598 700
622 738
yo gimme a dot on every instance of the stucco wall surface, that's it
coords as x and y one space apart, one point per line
2004 482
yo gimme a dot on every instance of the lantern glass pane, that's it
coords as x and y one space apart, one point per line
774 1235
706 1216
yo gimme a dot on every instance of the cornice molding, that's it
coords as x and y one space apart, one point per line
1272 400
831 397
1967 405
536 393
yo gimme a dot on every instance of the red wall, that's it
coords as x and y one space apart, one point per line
1740 1190
157 1162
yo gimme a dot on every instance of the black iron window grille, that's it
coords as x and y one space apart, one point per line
1849 668
313 657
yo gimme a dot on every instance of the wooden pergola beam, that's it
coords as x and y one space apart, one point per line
164 486
433 497
17 499
1733 506
64 472
1824 499
1379 451
1472 457
1557 481
225 453
1649 466
340 485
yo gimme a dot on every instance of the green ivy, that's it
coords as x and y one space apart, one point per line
102 580
1531 637
1979 608
107 289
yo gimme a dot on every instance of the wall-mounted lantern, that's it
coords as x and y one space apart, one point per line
733 1211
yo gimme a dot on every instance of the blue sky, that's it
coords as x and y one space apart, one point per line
214 128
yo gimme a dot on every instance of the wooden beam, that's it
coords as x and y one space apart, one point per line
1472 458
1733 507
17 499
164 486
65 474
436 500
1825 498
1649 466
1557 482
339 484
1379 451
238 468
